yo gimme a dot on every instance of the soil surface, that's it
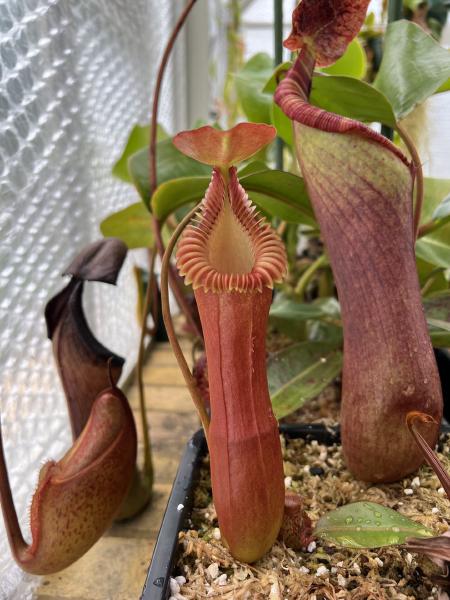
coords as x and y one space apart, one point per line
323 571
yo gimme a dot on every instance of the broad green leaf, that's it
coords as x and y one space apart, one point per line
275 192
171 164
437 311
249 83
414 66
437 306
438 324
443 210
132 225
138 138
439 338
173 194
435 247
287 314
255 166
435 193
282 124
321 331
439 333
351 98
299 373
352 63
345 96
445 87
431 276
280 194
368 525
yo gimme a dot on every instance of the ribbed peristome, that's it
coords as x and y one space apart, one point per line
229 247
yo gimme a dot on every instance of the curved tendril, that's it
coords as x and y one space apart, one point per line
188 377
419 176
174 283
430 457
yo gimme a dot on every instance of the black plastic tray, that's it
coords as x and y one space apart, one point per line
180 502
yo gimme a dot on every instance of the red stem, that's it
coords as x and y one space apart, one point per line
174 283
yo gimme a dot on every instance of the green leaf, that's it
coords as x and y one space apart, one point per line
171 164
368 525
435 193
352 63
443 210
437 324
299 373
282 124
431 276
249 83
321 331
437 306
275 192
435 247
138 138
132 225
287 314
351 98
414 66
437 311
280 194
255 166
175 193
439 338
445 87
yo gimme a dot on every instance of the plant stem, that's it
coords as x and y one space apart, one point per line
278 43
188 377
174 284
419 175
307 275
148 465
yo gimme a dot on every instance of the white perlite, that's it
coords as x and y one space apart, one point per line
213 571
304 570
221 580
174 586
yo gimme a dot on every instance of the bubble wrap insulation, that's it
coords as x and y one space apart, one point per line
74 77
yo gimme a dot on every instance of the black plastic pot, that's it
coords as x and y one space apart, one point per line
180 502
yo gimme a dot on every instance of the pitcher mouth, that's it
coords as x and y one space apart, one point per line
229 247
